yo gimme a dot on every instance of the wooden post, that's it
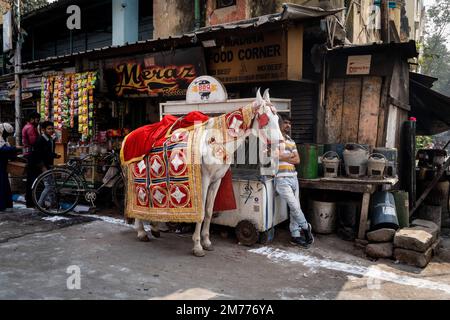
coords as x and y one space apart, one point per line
364 216
385 21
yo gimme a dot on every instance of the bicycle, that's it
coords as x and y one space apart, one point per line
60 189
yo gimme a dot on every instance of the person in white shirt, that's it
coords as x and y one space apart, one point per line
287 186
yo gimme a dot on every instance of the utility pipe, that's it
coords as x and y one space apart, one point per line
197 14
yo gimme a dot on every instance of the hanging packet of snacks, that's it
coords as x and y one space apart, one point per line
72 105
92 79
56 102
83 107
45 97
65 92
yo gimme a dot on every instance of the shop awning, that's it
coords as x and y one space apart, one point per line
431 108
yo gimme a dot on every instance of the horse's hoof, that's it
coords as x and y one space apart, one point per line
198 253
144 238
156 234
208 248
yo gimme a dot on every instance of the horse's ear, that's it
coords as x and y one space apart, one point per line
266 96
259 98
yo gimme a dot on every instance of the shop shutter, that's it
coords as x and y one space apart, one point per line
304 98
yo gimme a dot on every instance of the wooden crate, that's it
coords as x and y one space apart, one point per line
16 168
61 149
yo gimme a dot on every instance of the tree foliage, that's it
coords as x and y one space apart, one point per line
436 55
423 142
29 5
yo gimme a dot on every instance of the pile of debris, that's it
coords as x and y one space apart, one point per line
413 246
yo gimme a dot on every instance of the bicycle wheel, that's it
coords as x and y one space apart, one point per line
56 191
118 195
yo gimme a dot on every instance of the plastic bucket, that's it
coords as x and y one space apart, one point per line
323 218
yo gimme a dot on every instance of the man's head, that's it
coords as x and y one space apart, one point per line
48 128
34 118
285 124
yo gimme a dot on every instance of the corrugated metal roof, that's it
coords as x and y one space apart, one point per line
49 6
291 12
431 108
407 49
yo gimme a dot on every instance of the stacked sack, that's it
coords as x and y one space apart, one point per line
413 246
416 245
380 243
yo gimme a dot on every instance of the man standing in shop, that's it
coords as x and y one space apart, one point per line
287 186
30 135
43 156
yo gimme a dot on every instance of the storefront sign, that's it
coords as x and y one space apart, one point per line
31 83
206 89
166 73
258 57
359 65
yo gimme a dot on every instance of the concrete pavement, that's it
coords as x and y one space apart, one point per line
38 257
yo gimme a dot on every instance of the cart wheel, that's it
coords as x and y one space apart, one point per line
266 237
247 233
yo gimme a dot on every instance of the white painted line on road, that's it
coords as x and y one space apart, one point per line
278 255
55 218
111 220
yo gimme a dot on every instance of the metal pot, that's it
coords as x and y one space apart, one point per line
376 165
355 158
331 162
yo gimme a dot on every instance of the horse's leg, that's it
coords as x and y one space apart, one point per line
142 235
198 249
212 192
155 229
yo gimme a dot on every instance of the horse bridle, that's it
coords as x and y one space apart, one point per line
263 121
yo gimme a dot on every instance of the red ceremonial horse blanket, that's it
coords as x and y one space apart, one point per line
163 167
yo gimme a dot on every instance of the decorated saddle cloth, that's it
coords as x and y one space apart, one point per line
165 184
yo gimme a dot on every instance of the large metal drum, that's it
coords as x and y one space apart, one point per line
309 164
383 211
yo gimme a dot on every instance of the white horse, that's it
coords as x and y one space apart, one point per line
265 126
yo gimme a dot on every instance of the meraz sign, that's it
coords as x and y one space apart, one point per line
165 73
258 57
153 80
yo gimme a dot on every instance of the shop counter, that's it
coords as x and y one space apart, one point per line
364 185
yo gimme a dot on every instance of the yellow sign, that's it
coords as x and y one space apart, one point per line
258 57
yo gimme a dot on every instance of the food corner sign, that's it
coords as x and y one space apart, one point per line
261 56
166 73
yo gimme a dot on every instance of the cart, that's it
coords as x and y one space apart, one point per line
259 209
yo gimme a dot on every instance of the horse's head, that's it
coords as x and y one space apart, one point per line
266 125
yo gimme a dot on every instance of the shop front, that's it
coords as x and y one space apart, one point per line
269 58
